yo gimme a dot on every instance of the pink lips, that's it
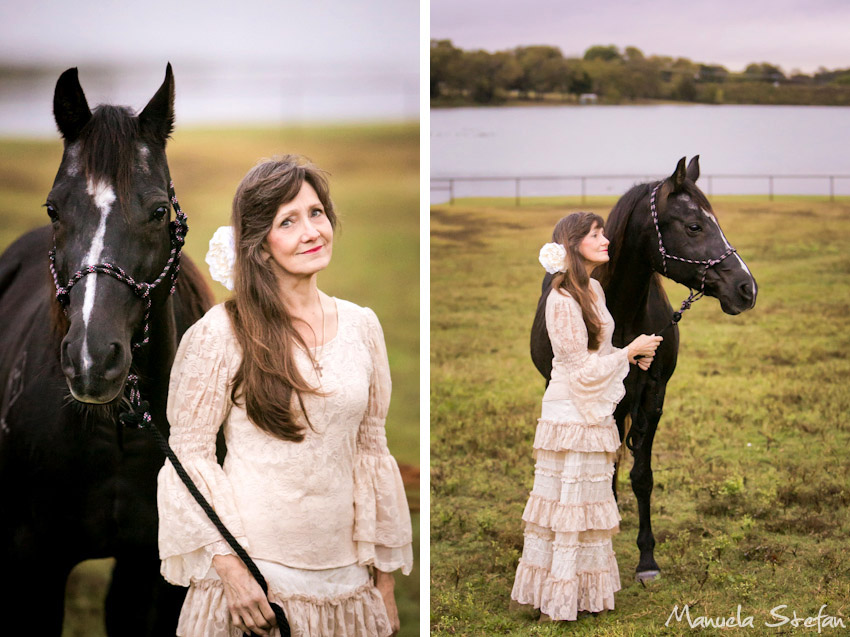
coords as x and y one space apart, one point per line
313 250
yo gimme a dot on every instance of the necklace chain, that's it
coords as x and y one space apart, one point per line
316 359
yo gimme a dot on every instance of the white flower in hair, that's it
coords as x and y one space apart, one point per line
222 256
553 258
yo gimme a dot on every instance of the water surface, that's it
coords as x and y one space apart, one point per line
641 141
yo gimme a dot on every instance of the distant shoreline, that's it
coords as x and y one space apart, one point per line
447 104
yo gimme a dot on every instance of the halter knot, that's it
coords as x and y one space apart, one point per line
139 414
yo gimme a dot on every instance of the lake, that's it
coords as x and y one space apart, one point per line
640 143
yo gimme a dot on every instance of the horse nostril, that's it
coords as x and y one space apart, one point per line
65 360
746 290
113 365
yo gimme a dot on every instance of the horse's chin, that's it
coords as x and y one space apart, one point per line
95 393
735 307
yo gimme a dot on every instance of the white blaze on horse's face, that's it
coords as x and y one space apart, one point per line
710 216
103 196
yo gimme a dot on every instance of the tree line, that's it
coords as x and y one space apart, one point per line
609 75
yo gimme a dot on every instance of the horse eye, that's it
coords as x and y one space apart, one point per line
51 212
160 212
694 227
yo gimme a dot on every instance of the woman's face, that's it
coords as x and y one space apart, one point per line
594 247
300 242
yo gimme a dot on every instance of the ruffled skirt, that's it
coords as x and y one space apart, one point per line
339 602
568 562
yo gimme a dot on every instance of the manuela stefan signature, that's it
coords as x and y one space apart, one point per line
778 617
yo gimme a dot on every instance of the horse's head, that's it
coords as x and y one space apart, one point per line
693 241
109 204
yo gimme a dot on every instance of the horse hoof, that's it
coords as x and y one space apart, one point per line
646 576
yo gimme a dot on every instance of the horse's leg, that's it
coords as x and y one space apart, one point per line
620 414
642 483
33 602
140 603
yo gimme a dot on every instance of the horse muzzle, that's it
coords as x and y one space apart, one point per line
95 372
736 295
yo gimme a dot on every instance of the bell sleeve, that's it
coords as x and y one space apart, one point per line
198 403
595 381
382 528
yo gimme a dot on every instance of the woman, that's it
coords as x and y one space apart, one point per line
567 562
300 384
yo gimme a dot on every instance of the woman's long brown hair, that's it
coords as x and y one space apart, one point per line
569 232
268 376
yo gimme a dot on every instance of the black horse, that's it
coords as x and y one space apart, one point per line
75 484
685 243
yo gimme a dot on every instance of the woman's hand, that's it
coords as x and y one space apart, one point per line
385 583
249 609
643 346
645 362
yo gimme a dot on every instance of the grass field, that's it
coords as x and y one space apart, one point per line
752 470
375 186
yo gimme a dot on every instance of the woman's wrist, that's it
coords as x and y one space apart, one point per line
224 564
384 580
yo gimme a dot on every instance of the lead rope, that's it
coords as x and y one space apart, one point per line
139 416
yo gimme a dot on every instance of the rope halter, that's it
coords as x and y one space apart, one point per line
140 409
178 228
706 263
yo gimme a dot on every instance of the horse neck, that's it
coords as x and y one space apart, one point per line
628 287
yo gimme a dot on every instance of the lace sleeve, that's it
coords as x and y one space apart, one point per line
198 402
595 381
382 528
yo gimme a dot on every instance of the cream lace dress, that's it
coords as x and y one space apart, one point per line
313 515
568 562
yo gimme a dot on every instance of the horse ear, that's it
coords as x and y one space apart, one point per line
70 108
677 179
693 168
156 120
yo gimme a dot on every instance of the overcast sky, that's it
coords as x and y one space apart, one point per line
265 61
793 34
381 35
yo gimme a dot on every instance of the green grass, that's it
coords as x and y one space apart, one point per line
375 186
752 472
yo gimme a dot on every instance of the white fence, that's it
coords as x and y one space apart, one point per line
447 189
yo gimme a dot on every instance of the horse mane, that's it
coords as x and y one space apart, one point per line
193 296
108 147
615 229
